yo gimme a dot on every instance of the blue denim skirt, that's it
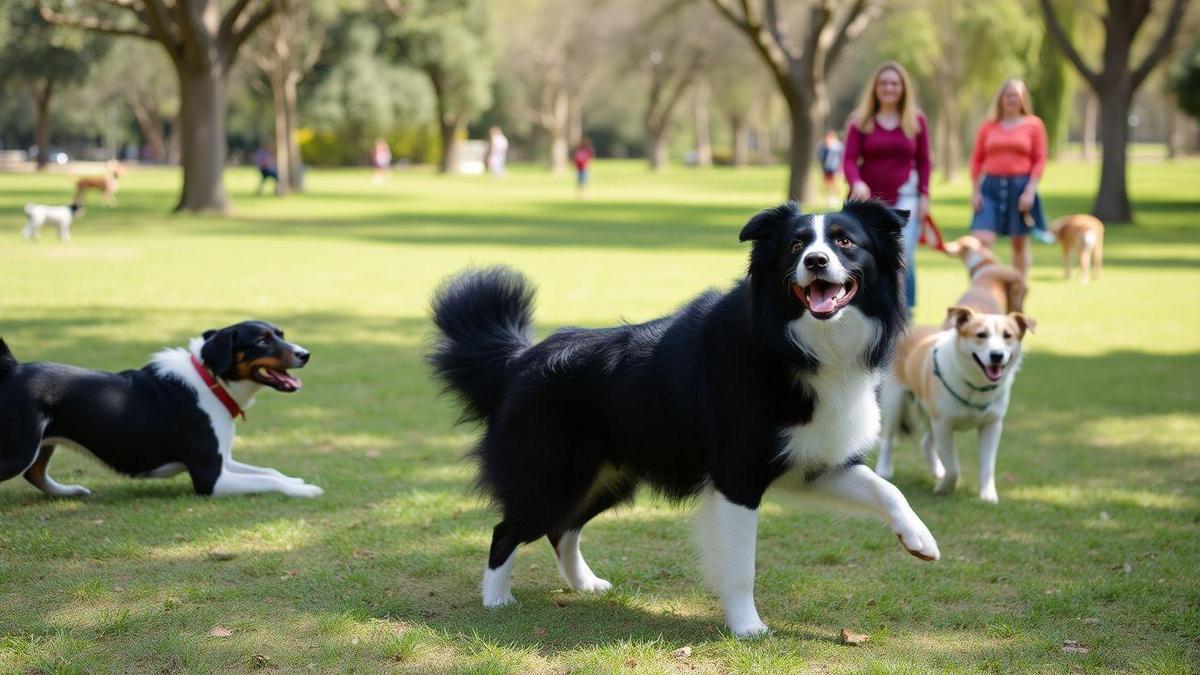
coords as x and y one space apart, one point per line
999 213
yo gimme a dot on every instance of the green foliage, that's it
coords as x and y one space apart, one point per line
37 51
449 41
360 97
1185 81
1051 82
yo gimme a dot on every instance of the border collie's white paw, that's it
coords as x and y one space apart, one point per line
750 629
494 599
72 491
989 495
916 538
593 585
303 490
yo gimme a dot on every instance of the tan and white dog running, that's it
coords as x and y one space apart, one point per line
995 287
959 377
107 184
1081 236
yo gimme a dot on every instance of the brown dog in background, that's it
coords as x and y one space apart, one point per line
1083 236
995 288
106 184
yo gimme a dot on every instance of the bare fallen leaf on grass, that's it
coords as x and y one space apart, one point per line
220 632
1074 647
849 637
682 653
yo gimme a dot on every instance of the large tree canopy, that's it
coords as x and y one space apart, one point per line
203 43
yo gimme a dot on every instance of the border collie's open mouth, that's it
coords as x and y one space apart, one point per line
824 299
279 380
992 373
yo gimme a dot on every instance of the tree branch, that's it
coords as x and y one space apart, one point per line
230 19
726 10
91 23
160 24
1064 43
231 47
1163 45
861 14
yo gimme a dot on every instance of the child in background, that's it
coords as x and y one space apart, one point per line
583 157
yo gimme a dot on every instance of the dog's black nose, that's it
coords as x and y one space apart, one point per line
815 261
996 357
302 355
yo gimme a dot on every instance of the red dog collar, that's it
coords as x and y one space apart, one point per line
217 390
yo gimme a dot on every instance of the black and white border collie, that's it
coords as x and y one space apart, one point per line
176 414
718 399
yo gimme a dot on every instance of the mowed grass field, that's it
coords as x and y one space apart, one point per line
1096 538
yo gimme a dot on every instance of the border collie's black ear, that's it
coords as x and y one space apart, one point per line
217 352
878 215
766 223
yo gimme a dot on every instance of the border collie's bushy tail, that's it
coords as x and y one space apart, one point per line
8 362
484 318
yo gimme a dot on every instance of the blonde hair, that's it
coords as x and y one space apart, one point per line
1026 105
868 104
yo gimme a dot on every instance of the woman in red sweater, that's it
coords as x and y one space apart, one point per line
887 155
1010 153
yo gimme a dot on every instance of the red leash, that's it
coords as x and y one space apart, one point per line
217 390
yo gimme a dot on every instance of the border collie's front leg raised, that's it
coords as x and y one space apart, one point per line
860 488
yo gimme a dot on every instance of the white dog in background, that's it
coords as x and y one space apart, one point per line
41 214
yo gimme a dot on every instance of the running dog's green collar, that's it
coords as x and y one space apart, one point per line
937 372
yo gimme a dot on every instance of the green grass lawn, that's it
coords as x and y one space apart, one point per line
1096 538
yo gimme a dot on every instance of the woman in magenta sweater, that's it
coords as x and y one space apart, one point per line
887 155
1010 153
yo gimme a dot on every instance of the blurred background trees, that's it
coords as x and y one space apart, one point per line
693 82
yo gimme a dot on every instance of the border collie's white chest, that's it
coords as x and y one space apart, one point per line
845 420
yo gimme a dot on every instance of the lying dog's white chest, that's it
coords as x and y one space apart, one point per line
845 420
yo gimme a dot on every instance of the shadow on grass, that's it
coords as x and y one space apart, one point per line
391 539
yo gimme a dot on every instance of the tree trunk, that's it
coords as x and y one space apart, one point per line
1173 129
448 128
42 133
202 139
658 154
1112 199
803 147
282 146
148 123
953 138
740 131
700 96
292 124
1091 109
560 123
575 127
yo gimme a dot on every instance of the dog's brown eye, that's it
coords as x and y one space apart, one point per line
843 242
796 246
1007 335
981 335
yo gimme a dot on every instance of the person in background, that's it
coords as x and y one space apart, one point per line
829 154
497 151
1006 166
583 158
264 159
887 155
381 159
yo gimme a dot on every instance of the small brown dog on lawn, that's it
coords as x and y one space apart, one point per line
995 288
106 184
1080 236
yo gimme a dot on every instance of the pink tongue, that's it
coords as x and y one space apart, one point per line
993 372
823 297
